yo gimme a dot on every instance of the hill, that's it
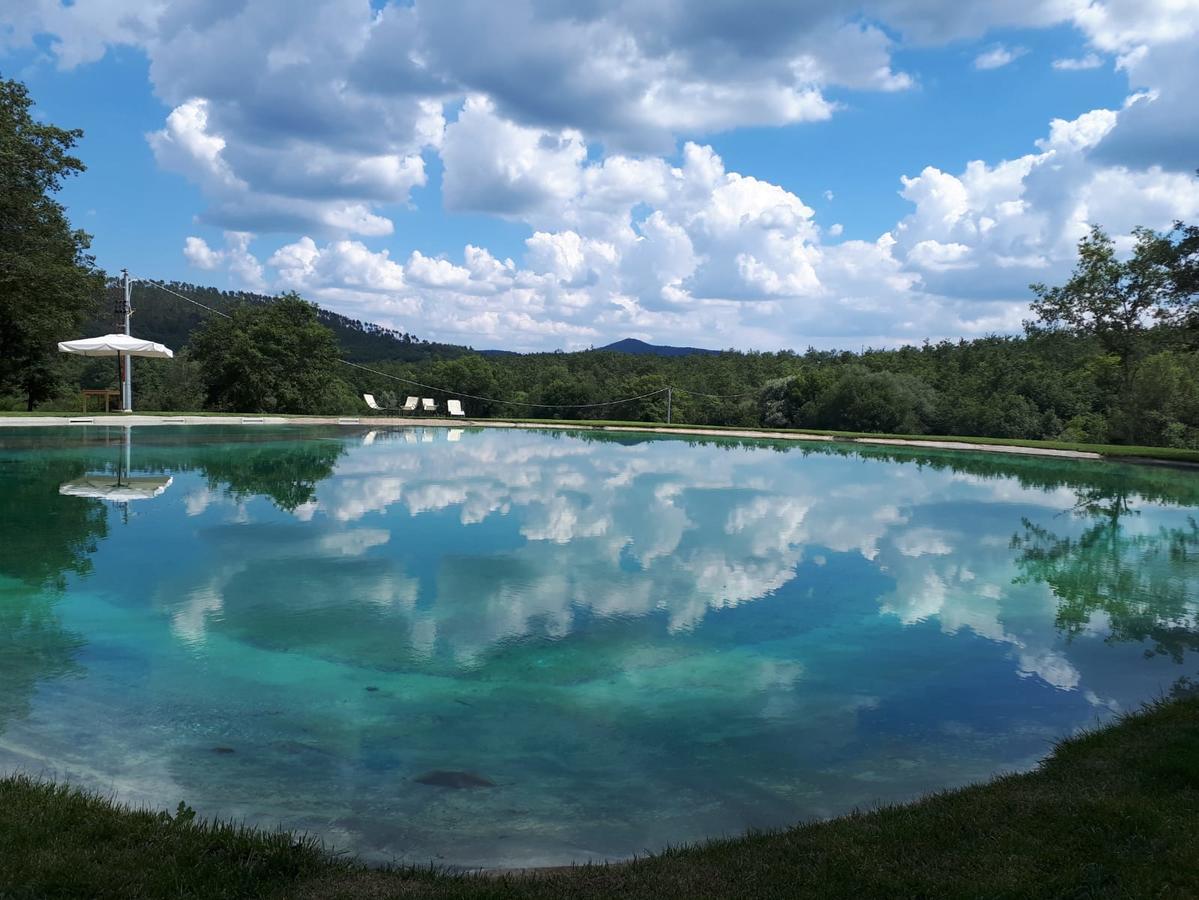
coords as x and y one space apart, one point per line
641 348
160 316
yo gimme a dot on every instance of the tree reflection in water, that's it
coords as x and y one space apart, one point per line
43 537
288 475
1145 585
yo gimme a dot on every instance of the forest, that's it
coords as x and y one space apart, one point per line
1050 383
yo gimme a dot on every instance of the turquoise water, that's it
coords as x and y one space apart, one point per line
636 642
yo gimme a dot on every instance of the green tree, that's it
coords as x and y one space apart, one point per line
271 357
1110 298
49 284
467 375
1161 407
861 400
170 384
1183 302
645 409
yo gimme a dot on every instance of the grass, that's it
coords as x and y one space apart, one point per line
1167 454
1111 813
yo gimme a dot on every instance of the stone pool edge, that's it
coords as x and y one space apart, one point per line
697 431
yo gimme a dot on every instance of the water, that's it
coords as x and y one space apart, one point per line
639 642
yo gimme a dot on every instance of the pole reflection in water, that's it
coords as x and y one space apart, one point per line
121 486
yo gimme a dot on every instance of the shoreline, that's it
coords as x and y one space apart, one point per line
1132 781
135 419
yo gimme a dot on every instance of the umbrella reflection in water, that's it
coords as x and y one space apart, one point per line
120 486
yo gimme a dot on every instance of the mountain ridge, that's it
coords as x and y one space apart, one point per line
161 316
643 348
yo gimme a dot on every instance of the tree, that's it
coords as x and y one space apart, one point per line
645 409
861 400
49 284
169 384
1109 298
1183 302
271 357
468 375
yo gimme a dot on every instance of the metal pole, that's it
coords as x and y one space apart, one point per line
669 396
127 393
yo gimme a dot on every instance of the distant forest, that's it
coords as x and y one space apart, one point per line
1069 384
163 317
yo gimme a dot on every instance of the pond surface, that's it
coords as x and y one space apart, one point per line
514 647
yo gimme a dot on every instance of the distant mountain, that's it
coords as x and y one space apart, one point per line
161 316
641 348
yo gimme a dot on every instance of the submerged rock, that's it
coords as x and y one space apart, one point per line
442 778
371 688
223 750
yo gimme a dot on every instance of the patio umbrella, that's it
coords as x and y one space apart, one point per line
121 346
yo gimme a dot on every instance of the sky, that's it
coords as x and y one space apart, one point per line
544 174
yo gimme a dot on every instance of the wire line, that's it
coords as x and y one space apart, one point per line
679 390
181 297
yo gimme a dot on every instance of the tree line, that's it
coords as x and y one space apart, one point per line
1109 356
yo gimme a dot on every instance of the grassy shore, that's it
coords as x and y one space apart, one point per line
1116 451
1112 813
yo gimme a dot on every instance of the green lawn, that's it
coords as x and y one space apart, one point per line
1167 454
1113 813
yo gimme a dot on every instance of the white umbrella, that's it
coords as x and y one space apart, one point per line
115 344
118 345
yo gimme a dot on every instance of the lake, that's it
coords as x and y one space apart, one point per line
508 647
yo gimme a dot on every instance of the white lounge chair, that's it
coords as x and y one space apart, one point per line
455 408
372 403
410 405
428 404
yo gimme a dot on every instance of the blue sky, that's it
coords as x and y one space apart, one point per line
552 174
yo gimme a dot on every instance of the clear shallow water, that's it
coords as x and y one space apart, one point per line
640 642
